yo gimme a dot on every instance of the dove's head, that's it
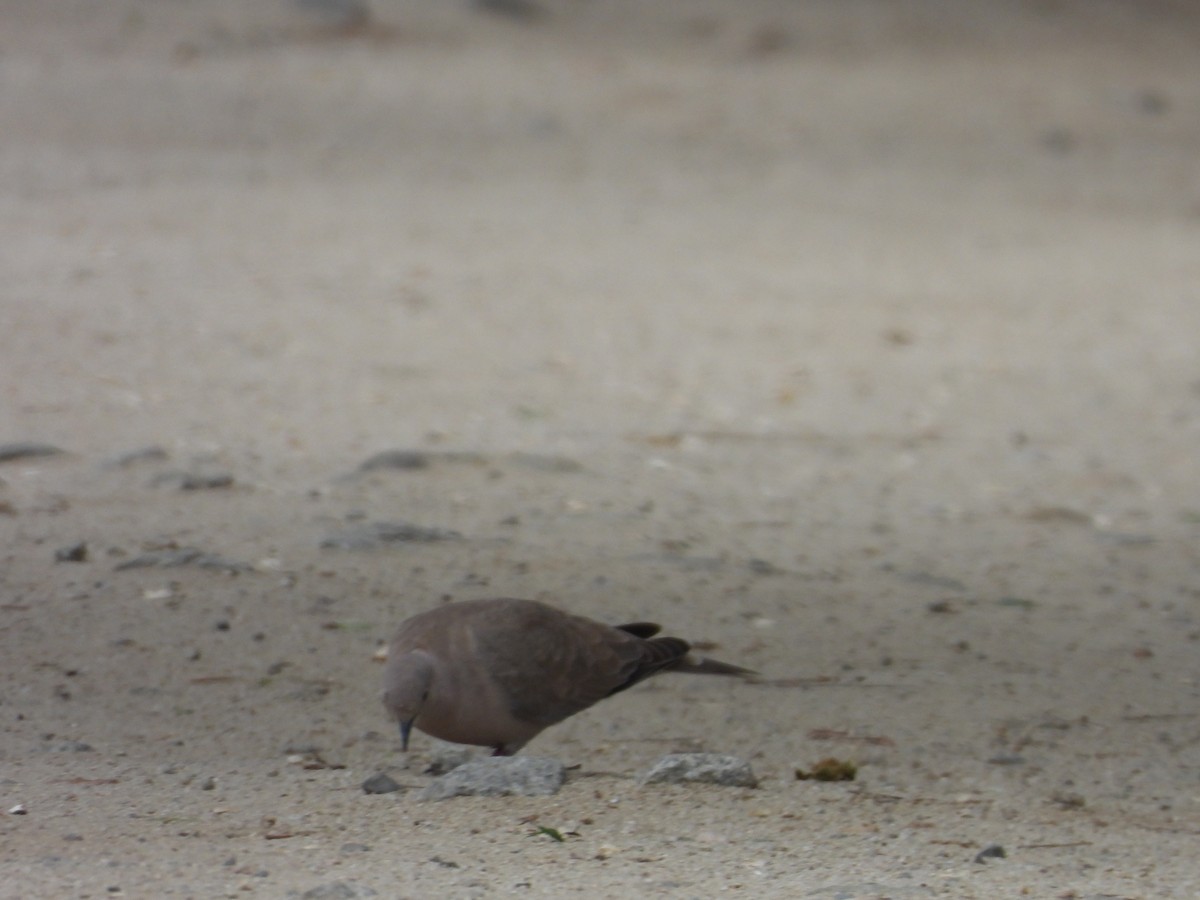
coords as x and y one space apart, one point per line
406 684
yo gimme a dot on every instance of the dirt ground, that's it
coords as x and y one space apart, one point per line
856 341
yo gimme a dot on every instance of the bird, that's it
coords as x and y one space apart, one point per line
496 672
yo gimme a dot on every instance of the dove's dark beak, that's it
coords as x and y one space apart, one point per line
405 730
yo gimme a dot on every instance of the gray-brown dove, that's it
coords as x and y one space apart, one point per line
497 672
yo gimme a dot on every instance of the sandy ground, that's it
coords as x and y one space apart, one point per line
857 340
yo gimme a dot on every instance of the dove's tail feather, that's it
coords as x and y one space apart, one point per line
702 665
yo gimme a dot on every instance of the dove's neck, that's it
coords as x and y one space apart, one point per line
409 680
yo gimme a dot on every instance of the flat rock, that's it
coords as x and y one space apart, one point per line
396 459
378 534
870 890
380 783
499 776
175 557
703 768
27 450
77 552
412 460
448 757
193 481
541 462
151 454
335 890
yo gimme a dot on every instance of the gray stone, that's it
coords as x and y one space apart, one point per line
336 890
704 768
141 455
448 757
380 783
870 890
77 552
26 450
396 459
176 557
378 534
499 776
991 851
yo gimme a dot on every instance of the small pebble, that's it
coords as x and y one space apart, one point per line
378 534
500 776
702 768
447 757
338 15
991 851
77 552
337 890
380 783
1007 759
27 450
69 747
175 557
541 462
192 481
396 459
143 454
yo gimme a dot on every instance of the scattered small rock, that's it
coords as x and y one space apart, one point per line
396 459
1069 799
174 557
133 457
1064 514
829 769
1125 539
1017 602
68 747
928 579
500 776
301 748
378 534
541 462
1007 759
519 10
403 460
339 15
193 481
27 450
991 851
380 783
77 552
335 890
448 757
871 890
703 768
